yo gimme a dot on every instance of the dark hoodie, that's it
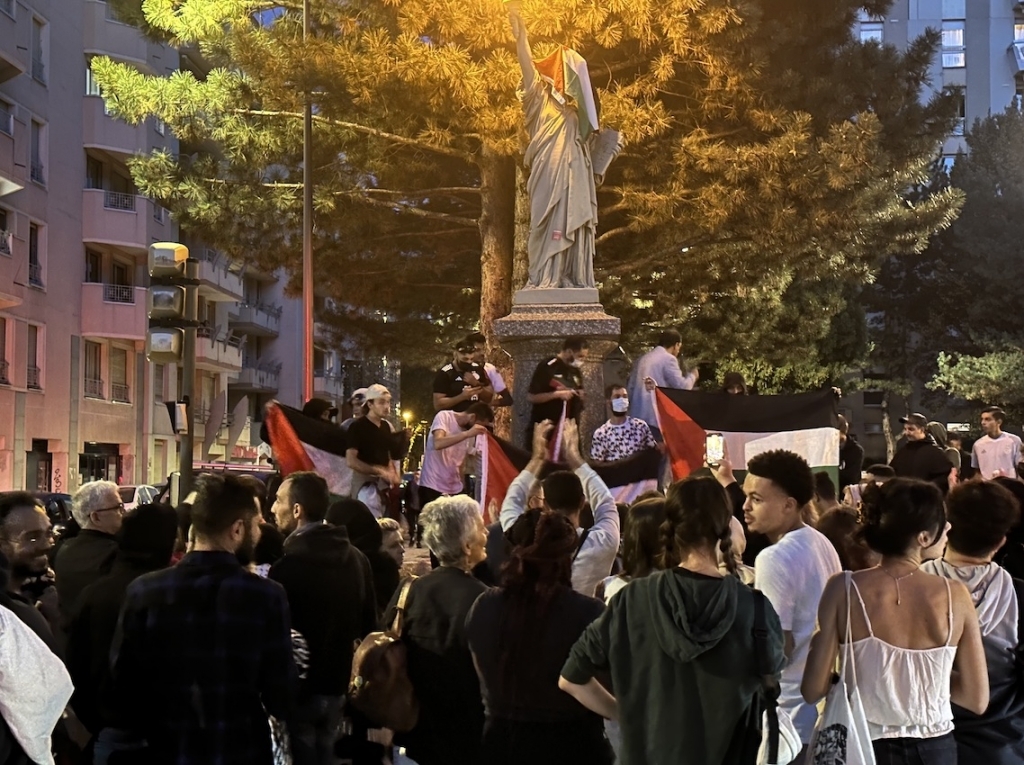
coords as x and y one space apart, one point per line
680 649
330 594
923 460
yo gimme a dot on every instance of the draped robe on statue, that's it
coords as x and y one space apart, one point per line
562 190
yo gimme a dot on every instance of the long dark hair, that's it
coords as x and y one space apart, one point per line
697 516
536 571
641 537
897 511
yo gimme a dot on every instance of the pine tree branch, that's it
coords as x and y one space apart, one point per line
401 207
400 139
611 233
428 192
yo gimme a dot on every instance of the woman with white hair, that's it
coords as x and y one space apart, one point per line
440 665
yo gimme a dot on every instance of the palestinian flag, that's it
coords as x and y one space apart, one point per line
805 423
306 443
501 462
567 72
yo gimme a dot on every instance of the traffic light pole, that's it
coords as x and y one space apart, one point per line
188 378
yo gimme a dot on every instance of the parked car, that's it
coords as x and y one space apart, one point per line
133 496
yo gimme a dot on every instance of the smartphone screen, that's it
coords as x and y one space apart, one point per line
714 448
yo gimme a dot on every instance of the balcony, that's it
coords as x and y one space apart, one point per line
14 39
328 385
257 319
13 173
93 388
114 311
220 277
6 243
218 350
4 373
33 378
39 70
117 137
119 392
119 219
35 273
103 33
257 378
36 173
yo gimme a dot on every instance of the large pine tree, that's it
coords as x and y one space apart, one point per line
768 161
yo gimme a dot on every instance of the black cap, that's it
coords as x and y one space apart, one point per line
316 407
917 419
464 346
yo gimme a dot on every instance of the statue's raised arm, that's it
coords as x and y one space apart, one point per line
522 44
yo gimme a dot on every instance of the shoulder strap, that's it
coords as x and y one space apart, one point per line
579 545
396 625
770 689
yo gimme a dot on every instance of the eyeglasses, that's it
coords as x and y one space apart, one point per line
34 537
119 507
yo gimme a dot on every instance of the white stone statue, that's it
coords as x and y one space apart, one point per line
562 121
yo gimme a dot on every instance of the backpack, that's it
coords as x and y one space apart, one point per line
379 687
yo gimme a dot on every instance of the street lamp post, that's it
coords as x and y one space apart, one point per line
307 227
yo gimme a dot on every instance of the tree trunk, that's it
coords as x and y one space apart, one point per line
890 438
497 223
521 261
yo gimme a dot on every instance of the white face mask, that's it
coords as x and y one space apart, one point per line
620 405
576 363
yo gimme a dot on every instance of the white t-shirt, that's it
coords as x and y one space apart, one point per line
792 574
996 456
442 469
497 381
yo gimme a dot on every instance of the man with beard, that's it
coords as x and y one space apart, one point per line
25 543
330 591
203 651
621 436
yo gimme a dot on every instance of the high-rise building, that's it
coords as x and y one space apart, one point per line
79 400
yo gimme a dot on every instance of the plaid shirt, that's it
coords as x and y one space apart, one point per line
203 653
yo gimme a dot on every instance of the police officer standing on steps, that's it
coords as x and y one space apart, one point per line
557 384
462 382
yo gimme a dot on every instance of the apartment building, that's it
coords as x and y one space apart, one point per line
79 400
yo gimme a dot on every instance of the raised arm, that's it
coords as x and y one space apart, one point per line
522 47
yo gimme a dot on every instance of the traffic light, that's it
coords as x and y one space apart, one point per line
167 306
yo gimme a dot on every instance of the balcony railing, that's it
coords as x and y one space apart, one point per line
4 379
112 15
7 6
117 200
6 119
93 388
34 375
6 243
37 172
119 393
38 70
118 293
35 274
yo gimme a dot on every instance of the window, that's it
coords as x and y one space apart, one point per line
34 372
6 118
954 9
93 173
871 31
160 127
159 382
1018 31
953 53
961 115
873 397
6 237
7 6
92 88
121 275
119 375
39 51
35 266
93 267
93 358
948 160
37 152
4 367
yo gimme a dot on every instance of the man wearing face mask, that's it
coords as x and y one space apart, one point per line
558 384
462 382
622 436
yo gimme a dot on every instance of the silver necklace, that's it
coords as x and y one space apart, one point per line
897 579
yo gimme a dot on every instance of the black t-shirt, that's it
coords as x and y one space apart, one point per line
376 444
551 375
537 699
450 380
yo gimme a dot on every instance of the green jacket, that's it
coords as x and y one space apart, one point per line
680 649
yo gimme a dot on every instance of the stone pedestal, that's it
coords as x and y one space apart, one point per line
534 331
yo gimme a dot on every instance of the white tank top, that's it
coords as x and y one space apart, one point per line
905 691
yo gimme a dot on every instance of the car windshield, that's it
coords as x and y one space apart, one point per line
127 493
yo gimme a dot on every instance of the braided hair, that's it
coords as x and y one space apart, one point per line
697 515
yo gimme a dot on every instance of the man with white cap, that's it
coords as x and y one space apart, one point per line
358 401
372 450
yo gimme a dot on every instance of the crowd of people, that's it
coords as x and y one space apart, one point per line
572 630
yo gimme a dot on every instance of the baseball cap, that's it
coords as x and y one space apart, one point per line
916 419
376 391
465 346
358 396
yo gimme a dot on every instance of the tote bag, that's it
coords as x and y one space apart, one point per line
841 736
